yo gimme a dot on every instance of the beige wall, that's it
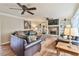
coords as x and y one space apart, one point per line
8 26
0 31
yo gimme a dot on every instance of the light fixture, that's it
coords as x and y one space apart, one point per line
71 31
68 32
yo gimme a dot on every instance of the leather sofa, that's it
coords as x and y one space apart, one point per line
21 47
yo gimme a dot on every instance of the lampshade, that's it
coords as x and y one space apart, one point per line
71 31
68 26
67 31
74 32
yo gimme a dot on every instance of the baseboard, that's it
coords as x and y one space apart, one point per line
5 43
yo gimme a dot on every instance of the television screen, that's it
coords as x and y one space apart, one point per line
53 22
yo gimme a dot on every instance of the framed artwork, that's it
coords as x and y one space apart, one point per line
27 24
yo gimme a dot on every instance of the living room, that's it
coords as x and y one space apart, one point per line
46 22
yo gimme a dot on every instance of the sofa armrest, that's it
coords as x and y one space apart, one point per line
33 43
32 48
17 45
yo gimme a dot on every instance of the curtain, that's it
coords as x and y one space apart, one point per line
75 20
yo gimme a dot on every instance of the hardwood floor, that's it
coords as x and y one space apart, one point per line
47 49
5 50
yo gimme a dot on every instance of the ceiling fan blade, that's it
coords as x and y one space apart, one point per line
22 12
15 8
33 8
30 12
19 4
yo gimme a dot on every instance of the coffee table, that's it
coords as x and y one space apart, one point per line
62 46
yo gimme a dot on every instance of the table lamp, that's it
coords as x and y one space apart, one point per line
67 32
74 32
71 32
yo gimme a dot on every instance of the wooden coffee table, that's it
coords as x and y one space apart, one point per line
62 46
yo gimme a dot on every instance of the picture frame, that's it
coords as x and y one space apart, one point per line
27 24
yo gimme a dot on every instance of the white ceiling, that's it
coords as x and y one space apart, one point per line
55 10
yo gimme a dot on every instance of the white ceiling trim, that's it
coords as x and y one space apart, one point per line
10 15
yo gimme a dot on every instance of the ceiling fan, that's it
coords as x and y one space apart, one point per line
25 9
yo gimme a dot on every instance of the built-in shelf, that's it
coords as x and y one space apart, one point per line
53 25
59 27
53 28
52 35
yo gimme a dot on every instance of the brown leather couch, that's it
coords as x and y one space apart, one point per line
22 48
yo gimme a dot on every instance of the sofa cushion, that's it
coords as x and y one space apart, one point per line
29 36
76 41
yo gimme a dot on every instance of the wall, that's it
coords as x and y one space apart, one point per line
9 25
0 31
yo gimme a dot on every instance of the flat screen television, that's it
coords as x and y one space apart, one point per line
53 22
